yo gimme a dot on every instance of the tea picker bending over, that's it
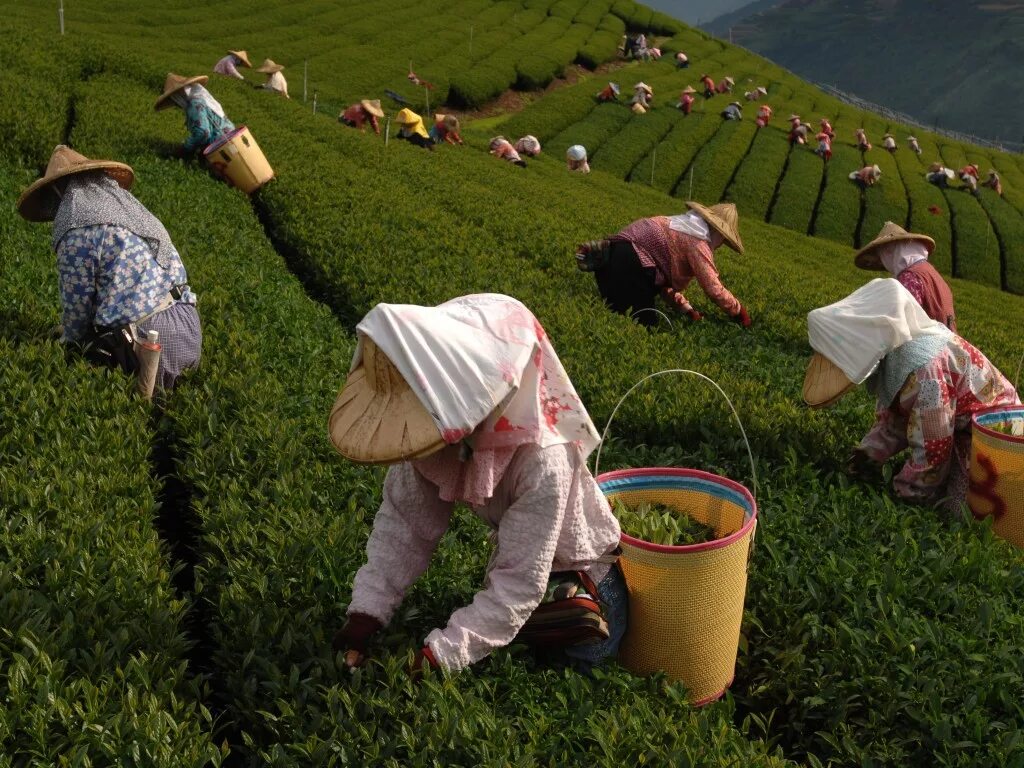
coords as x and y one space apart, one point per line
229 64
470 404
664 254
204 116
927 380
275 80
116 264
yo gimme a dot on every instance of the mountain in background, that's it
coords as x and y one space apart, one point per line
954 64
696 12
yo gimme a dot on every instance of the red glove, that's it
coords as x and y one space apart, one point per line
694 314
423 654
354 638
742 317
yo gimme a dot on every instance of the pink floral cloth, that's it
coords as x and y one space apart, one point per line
932 416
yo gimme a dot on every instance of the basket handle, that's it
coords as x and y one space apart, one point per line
712 382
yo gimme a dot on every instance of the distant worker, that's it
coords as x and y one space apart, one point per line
867 176
794 121
528 145
663 255
969 178
120 275
755 94
862 140
927 382
502 149
764 115
643 95
686 99
709 86
733 111
638 109
905 256
361 113
826 127
889 143
204 116
275 80
609 93
446 130
576 159
725 86
411 128
993 182
939 175
912 140
682 60
229 64
824 150
799 133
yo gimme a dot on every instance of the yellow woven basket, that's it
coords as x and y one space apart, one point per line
997 471
686 602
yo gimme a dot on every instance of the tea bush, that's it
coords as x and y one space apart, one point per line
799 190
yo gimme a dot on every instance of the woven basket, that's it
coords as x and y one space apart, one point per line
686 602
997 472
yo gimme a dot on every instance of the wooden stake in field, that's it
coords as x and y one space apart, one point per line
470 44
654 160
314 102
60 15
305 78
689 196
387 132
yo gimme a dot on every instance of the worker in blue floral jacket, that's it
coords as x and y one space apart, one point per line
204 116
117 266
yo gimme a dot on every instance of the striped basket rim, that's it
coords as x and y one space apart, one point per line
996 414
675 477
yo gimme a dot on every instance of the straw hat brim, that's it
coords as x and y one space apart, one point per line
371 426
824 383
372 108
732 237
270 70
164 101
32 204
867 257
242 55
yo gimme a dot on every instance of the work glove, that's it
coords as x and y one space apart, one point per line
354 638
679 302
424 654
742 317
592 255
860 466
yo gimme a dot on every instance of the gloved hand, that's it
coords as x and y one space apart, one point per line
862 467
742 317
592 255
694 314
354 638
424 654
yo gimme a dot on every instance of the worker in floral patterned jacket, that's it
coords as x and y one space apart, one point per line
204 116
664 254
117 266
905 256
927 381
469 404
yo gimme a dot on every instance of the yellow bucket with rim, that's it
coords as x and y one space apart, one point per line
997 470
238 159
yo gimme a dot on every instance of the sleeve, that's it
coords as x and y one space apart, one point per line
887 437
930 429
234 71
76 268
517 575
702 263
913 283
198 126
375 123
409 524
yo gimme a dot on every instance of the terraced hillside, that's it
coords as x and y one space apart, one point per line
179 612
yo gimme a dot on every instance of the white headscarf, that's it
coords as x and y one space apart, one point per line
690 223
199 93
901 254
877 318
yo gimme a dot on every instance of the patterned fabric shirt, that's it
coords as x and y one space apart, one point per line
678 259
932 416
108 277
226 66
204 125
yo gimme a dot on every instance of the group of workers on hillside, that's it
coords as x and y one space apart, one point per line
469 403
234 59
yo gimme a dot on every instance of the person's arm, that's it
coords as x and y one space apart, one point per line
929 434
410 522
198 126
702 264
375 123
913 283
542 483
453 138
887 436
76 269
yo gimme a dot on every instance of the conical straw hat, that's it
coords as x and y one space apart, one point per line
173 84
269 67
762 90
689 89
867 257
377 418
35 204
642 86
724 219
730 81
243 56
373 107
824 382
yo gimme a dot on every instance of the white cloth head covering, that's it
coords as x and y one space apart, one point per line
576 152
199 93
857 332
690 223
899 255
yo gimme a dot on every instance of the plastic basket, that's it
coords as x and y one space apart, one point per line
997 472
686 602
238 158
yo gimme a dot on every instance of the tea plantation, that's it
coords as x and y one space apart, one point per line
171 575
